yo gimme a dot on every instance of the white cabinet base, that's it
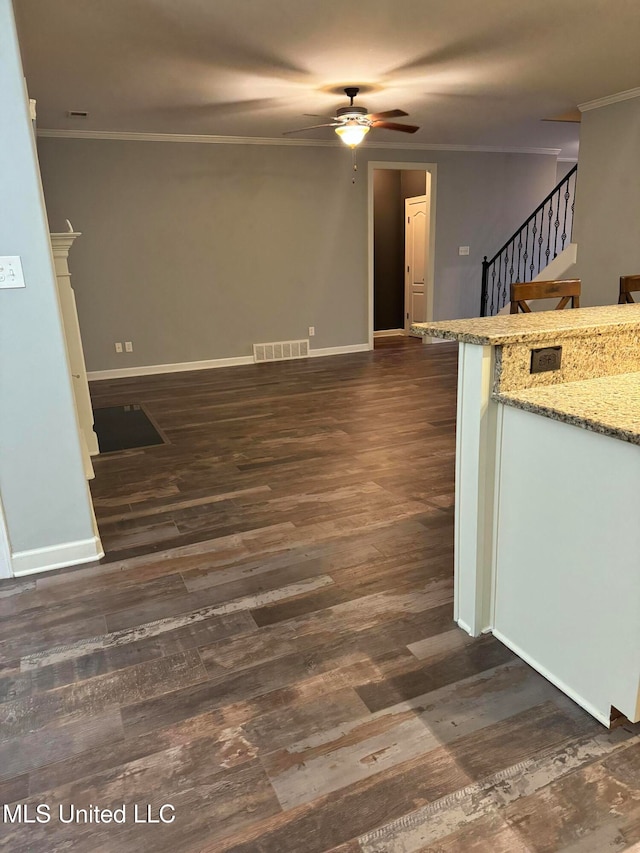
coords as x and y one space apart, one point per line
567 582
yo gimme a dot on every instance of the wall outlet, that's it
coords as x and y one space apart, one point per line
463 250
312 331
128 346
546 358
118 346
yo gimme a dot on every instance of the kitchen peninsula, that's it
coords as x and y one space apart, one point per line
547 540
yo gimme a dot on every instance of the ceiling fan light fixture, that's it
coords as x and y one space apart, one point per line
352 123
352 133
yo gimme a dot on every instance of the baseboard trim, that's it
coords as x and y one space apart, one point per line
388 333
319 353
557 682
179 367
56 556
466 628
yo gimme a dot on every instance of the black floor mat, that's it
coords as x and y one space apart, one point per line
124 427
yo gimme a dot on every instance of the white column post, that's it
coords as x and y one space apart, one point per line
475 482
61 244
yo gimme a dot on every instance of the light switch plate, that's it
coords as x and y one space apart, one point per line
11 271
463 250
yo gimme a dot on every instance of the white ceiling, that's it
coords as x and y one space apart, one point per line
468 72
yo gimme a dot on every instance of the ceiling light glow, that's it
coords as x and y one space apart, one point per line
352 133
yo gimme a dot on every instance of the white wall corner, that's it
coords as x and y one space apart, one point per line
560 265
5 547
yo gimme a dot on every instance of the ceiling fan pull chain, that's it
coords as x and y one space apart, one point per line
355 164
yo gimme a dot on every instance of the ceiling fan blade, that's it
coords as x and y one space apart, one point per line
387 114
311 127
318 115
392 125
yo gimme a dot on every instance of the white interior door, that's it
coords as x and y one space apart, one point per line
415 251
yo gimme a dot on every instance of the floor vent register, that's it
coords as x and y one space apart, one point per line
280 351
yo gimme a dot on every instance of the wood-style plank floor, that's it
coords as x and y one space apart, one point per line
268 645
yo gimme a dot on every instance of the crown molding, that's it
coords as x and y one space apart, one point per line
609 99
567 159
202 139
131 136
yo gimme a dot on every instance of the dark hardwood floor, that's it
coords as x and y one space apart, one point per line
268 645
291 446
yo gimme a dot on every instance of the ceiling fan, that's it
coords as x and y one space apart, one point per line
353 123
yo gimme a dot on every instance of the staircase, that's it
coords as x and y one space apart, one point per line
541 239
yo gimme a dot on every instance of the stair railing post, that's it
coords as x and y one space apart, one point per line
485 282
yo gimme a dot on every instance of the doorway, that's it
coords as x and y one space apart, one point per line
401 246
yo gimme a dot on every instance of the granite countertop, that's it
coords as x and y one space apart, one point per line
609 405
537 326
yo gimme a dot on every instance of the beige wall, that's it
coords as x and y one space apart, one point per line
563 168
606 223
195 251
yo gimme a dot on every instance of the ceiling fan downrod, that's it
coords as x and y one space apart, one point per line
351 92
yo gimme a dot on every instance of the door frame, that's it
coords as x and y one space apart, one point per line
430 245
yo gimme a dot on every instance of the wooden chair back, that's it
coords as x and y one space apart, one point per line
628 284
566 291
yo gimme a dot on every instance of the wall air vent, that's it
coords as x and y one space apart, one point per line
77 114
280 351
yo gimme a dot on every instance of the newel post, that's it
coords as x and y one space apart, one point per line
485 282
